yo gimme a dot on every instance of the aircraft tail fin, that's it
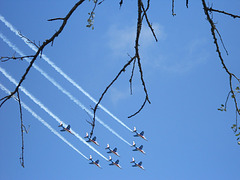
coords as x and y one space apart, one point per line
134 144
107 146
86 135
110 158
134 129
60 124
90 157
133 160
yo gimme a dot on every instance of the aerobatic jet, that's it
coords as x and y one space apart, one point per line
114 151
94 162
138 134
114 163
65 129
91 140
140 148
137 164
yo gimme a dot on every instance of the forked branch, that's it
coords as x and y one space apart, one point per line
231 75
142 12
41 48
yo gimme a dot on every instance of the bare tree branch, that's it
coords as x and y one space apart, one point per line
187 3
28 40
141 13
105 91
121 3
149 25
173 13
140 108
231 75
130 80
221 40
4 59
21 118
54 19
40 49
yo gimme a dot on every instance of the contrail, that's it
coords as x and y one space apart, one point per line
47 110
10 26
43 122
61 88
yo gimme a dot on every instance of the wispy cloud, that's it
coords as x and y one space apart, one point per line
117 95
121 39
167 57
184 59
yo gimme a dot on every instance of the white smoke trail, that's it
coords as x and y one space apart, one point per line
61 88
10 26
47 110
43 122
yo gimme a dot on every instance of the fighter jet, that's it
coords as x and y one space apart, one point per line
114 151
138 134
140 148
137 164
114 163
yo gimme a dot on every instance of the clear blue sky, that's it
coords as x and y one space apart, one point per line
188 138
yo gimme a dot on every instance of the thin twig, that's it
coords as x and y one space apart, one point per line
223 12
173 13
21 118
187 3
131 78
221 40
105 91
121 3
139 109
28 40
149 24
54 19
4 59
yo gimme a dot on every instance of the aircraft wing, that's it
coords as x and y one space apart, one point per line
68 127
97 161
62 130
117 161
142 133
141 147
115 149
140 163
94 138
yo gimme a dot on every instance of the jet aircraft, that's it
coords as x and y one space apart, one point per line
140 148
114 163
94 162
91 140
65 129
137 164
114 151
138 134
